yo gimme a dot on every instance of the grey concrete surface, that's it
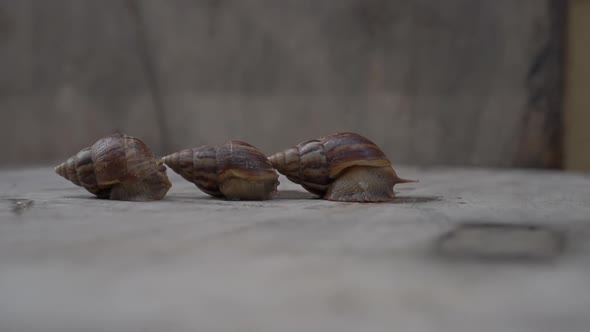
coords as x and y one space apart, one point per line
462 250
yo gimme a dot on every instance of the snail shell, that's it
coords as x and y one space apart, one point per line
235 170
118 167
340 167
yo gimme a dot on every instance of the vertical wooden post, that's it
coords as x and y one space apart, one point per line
577 119
541 137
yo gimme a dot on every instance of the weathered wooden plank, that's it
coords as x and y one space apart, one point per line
69 262
542 131
16 30
432 82
77 75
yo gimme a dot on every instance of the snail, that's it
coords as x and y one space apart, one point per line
235 170
118 167
340 167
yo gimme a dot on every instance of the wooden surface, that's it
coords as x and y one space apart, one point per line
69 262
459 82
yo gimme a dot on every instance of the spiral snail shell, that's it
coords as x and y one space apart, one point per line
118 167
235 170
340 167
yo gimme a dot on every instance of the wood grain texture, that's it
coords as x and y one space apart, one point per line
430 82
70 262
542 129
73 74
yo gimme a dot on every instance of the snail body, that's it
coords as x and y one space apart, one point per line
235 170
117 167
340 167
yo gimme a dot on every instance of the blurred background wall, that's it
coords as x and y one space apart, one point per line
455 82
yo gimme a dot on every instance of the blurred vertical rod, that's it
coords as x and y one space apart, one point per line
147 64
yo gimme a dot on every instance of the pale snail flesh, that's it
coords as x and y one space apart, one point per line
340 167
118 167
235 170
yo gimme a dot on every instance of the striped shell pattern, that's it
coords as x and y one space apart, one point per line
212 168
315 164
118 167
